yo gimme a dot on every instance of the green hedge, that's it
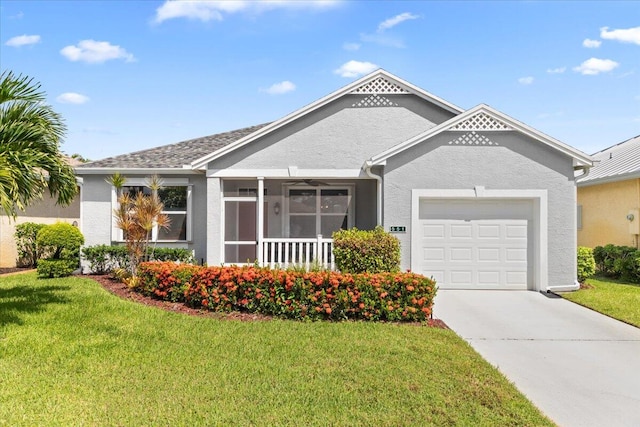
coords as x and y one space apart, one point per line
291 294
28 252
586 263
104 259
361 251
620 262
61 242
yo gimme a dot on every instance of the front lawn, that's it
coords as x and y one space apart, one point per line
616 299
73 354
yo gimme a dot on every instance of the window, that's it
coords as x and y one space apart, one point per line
176 197
320 210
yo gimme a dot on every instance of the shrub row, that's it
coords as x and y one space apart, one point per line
104 259
586 263
621 262
292 294
61 242
366 251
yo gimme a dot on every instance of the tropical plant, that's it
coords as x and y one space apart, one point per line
30 136
137 215
26 244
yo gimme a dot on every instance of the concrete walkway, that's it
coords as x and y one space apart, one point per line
579 367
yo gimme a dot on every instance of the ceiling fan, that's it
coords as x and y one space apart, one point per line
311 182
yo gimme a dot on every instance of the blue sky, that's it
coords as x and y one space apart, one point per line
130 75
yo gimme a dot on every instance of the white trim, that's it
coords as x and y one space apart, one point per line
540 226
202 162
166 182
136 171
291 172
579 158
607 179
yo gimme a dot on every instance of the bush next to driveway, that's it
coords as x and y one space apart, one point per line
293 294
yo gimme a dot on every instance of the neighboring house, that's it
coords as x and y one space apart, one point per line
44 211
609 197
477 199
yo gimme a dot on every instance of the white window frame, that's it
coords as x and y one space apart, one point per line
318 214
117 234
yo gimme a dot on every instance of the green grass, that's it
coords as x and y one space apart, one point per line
73 354
611 297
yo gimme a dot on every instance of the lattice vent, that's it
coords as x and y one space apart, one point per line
375 101
472 138
380 85
481 121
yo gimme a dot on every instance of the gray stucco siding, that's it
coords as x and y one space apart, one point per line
513 162
337 136
97 212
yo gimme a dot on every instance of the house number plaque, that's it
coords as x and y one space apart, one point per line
397 229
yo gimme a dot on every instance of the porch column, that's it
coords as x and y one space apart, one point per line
215 238
260 219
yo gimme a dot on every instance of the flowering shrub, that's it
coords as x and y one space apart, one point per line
292 294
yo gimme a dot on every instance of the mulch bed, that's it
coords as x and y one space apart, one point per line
12 270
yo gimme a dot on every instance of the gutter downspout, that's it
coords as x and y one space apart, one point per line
378 178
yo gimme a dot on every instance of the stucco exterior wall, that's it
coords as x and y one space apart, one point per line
97 212
44 211
337 136
513 162
604 211
8 250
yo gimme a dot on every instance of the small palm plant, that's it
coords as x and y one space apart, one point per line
137 216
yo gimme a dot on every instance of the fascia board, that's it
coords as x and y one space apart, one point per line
580 158
136 171
201 162
608 179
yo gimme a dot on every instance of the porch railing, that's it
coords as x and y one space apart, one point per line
284 252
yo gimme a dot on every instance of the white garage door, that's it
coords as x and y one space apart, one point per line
475 254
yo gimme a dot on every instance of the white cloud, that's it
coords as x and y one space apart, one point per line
18 15
355 68
72 98
351 46
525 80
95 52
558 70
593 66
216 9
591 43
629 35
392 22
382 40
280 88
23 40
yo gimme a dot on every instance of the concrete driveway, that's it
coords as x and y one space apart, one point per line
579 367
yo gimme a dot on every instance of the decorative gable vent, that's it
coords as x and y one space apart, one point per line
481 121
380 86
375 101
472 138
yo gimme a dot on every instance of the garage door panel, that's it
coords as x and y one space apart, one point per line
461 231
486 231
475 254
433 230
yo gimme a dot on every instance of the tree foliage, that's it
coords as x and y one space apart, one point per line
31 133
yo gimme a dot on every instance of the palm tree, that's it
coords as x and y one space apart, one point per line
30 136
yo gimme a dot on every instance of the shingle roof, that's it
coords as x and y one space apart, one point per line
618 161
174 155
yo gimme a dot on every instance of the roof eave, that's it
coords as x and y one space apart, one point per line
580 159
609 179
136 171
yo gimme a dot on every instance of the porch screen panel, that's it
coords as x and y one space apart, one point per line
240 231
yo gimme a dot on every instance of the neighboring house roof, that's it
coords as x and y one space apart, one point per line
616 163
483 117
379 81
172 156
